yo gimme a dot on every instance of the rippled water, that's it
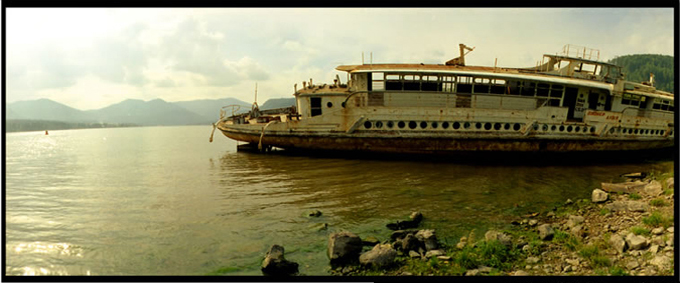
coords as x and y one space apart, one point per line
164 201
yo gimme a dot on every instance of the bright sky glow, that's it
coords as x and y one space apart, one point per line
89 58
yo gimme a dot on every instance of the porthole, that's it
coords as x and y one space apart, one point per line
401 124
535 127
577 129
592 129
487 126
646 131
455 125
343 105
569 128
497 126
478 125
368 124
516 127
466 125
390 124
329 104
506 126
611 131
625 131
585 129
561 128
423 125
553 128
412 125
435 125
379 124
445 125
545 127
635 131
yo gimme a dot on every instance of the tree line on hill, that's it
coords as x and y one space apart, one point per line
638 67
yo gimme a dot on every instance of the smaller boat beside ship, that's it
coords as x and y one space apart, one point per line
570 103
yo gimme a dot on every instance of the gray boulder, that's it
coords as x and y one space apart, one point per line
574 220
599 196
275 264
343 247
410 243
654 188
618 243
428 238
546 232
627 187
501 237
379 256
636 242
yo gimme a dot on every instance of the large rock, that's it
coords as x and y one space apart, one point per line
654 188
618 243
636 242
574 220
621 205
599 196
670 183
400 234
275 264
343 247
627 187
411 243
501 237
661 261
428 238
379 256
546 232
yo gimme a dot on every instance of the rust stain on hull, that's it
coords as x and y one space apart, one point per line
438 145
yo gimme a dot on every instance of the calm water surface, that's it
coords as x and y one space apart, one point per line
164 201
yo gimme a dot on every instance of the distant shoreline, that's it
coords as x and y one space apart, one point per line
26 125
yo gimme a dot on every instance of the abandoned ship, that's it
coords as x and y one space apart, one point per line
568 103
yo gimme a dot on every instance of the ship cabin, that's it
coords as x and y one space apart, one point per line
576 83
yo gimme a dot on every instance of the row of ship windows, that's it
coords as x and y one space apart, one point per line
473 125
505 126
631 131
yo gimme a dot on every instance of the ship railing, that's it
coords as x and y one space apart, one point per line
234 109
583 52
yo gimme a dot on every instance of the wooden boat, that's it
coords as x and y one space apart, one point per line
570 103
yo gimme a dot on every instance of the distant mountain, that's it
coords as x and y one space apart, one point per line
45 109
278 103
47 113
209 109
155 112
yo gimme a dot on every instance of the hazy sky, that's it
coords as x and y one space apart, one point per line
89 58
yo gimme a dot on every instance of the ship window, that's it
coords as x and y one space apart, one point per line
392 85
528 89
487 126
315 105
455 126
514 87
435 125
447 87
464 88
412 125
481 88
429 86
367 124
329 104
516 127
631 99
497 87
478 125
378 124
392 77
423 124
497 126
445 125
506 126
390 124
378 81
543 90
466 125
401 124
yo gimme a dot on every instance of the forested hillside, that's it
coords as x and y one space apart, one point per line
637 69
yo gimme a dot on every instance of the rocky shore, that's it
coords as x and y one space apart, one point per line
623 229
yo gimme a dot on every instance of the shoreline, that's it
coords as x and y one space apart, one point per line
619 231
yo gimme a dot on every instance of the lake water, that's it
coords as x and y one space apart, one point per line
165 201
